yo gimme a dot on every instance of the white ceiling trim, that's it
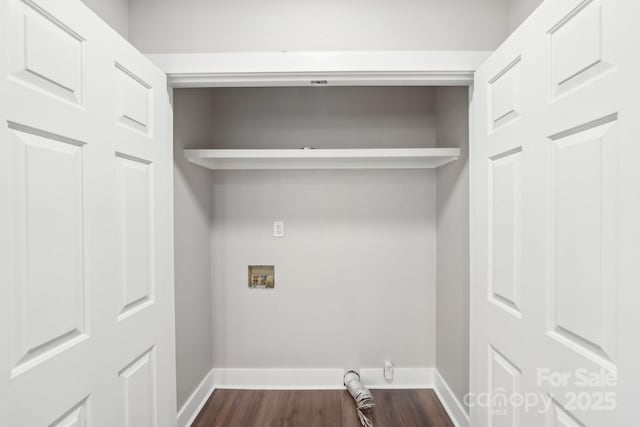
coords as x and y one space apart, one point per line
415 68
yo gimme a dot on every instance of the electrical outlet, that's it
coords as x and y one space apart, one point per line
278 228
388 370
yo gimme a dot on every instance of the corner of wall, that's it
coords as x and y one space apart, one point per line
452 282
113 12
519 11
192 185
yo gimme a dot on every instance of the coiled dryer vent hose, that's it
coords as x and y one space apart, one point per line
362 396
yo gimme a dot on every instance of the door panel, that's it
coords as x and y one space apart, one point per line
582 45
47 201
134 100
135 213
499 360
139 119
139 384
75 417
504 94
548 202
583 187
87 216
505 240
46 54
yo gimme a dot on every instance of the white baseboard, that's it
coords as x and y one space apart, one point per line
194 404
451 403
407 378
319 379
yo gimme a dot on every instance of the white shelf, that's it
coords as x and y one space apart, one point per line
368 158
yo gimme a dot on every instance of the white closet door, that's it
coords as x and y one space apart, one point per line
551 345
86 216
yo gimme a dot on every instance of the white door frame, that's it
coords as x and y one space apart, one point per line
270 69
364 68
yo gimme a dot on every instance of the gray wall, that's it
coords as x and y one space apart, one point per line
452 304
192 205
113 12
358 244
155 26
322 117
158 26
519 10
355 272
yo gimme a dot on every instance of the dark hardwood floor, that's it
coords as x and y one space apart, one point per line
321 408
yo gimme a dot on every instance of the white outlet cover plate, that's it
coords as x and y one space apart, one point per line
278 228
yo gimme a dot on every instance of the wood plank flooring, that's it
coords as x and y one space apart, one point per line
319 408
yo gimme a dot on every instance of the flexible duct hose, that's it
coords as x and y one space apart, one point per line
362 396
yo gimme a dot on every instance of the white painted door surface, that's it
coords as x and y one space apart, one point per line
87 305
556 203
